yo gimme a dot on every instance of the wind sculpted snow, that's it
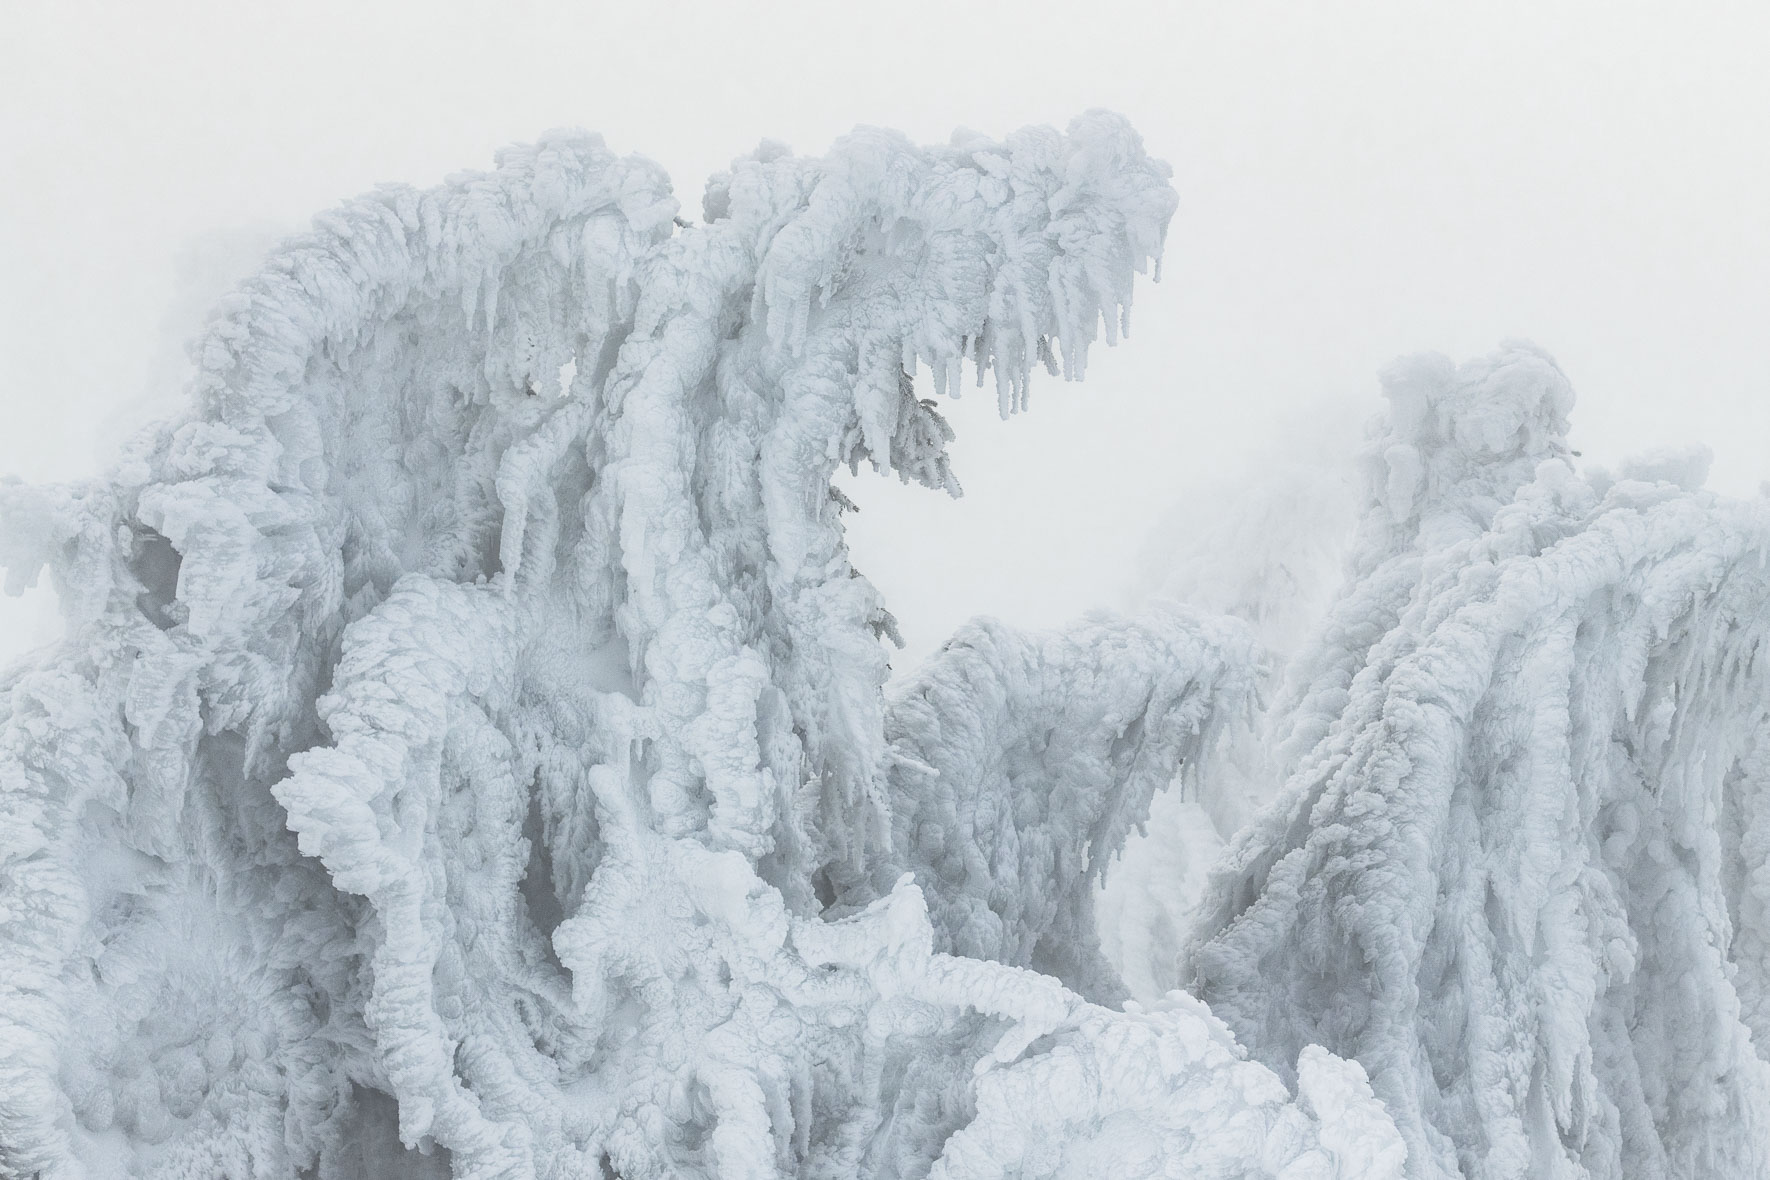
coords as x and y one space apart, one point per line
469 754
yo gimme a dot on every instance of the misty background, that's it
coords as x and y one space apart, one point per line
1357 181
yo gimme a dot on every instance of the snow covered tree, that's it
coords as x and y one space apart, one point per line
1520 864
469 752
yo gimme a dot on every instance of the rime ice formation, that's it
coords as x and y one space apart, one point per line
1023 762
469 753
1265 544
1520 865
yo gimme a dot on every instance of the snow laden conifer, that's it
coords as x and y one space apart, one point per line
469 756
1519 866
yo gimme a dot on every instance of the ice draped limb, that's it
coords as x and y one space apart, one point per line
1021 763
182 980
1517 870
471 702
1458 444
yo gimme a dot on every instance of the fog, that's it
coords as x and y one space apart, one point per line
1357 181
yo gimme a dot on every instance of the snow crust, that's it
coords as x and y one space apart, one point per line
470 755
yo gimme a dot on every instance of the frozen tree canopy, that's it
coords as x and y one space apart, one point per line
1520 864
471 751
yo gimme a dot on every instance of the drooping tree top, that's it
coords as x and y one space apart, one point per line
470 732
471 750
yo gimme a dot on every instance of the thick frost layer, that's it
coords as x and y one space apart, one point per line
470 716
1023 762
1265 544
1519 869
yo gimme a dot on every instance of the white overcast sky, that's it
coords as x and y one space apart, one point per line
1357 180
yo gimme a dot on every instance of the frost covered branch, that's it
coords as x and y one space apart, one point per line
470 716
1518 869
471 750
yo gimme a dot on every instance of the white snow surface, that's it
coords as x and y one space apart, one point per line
469 754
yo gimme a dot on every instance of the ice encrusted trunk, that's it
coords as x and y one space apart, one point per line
1520 866
469 711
